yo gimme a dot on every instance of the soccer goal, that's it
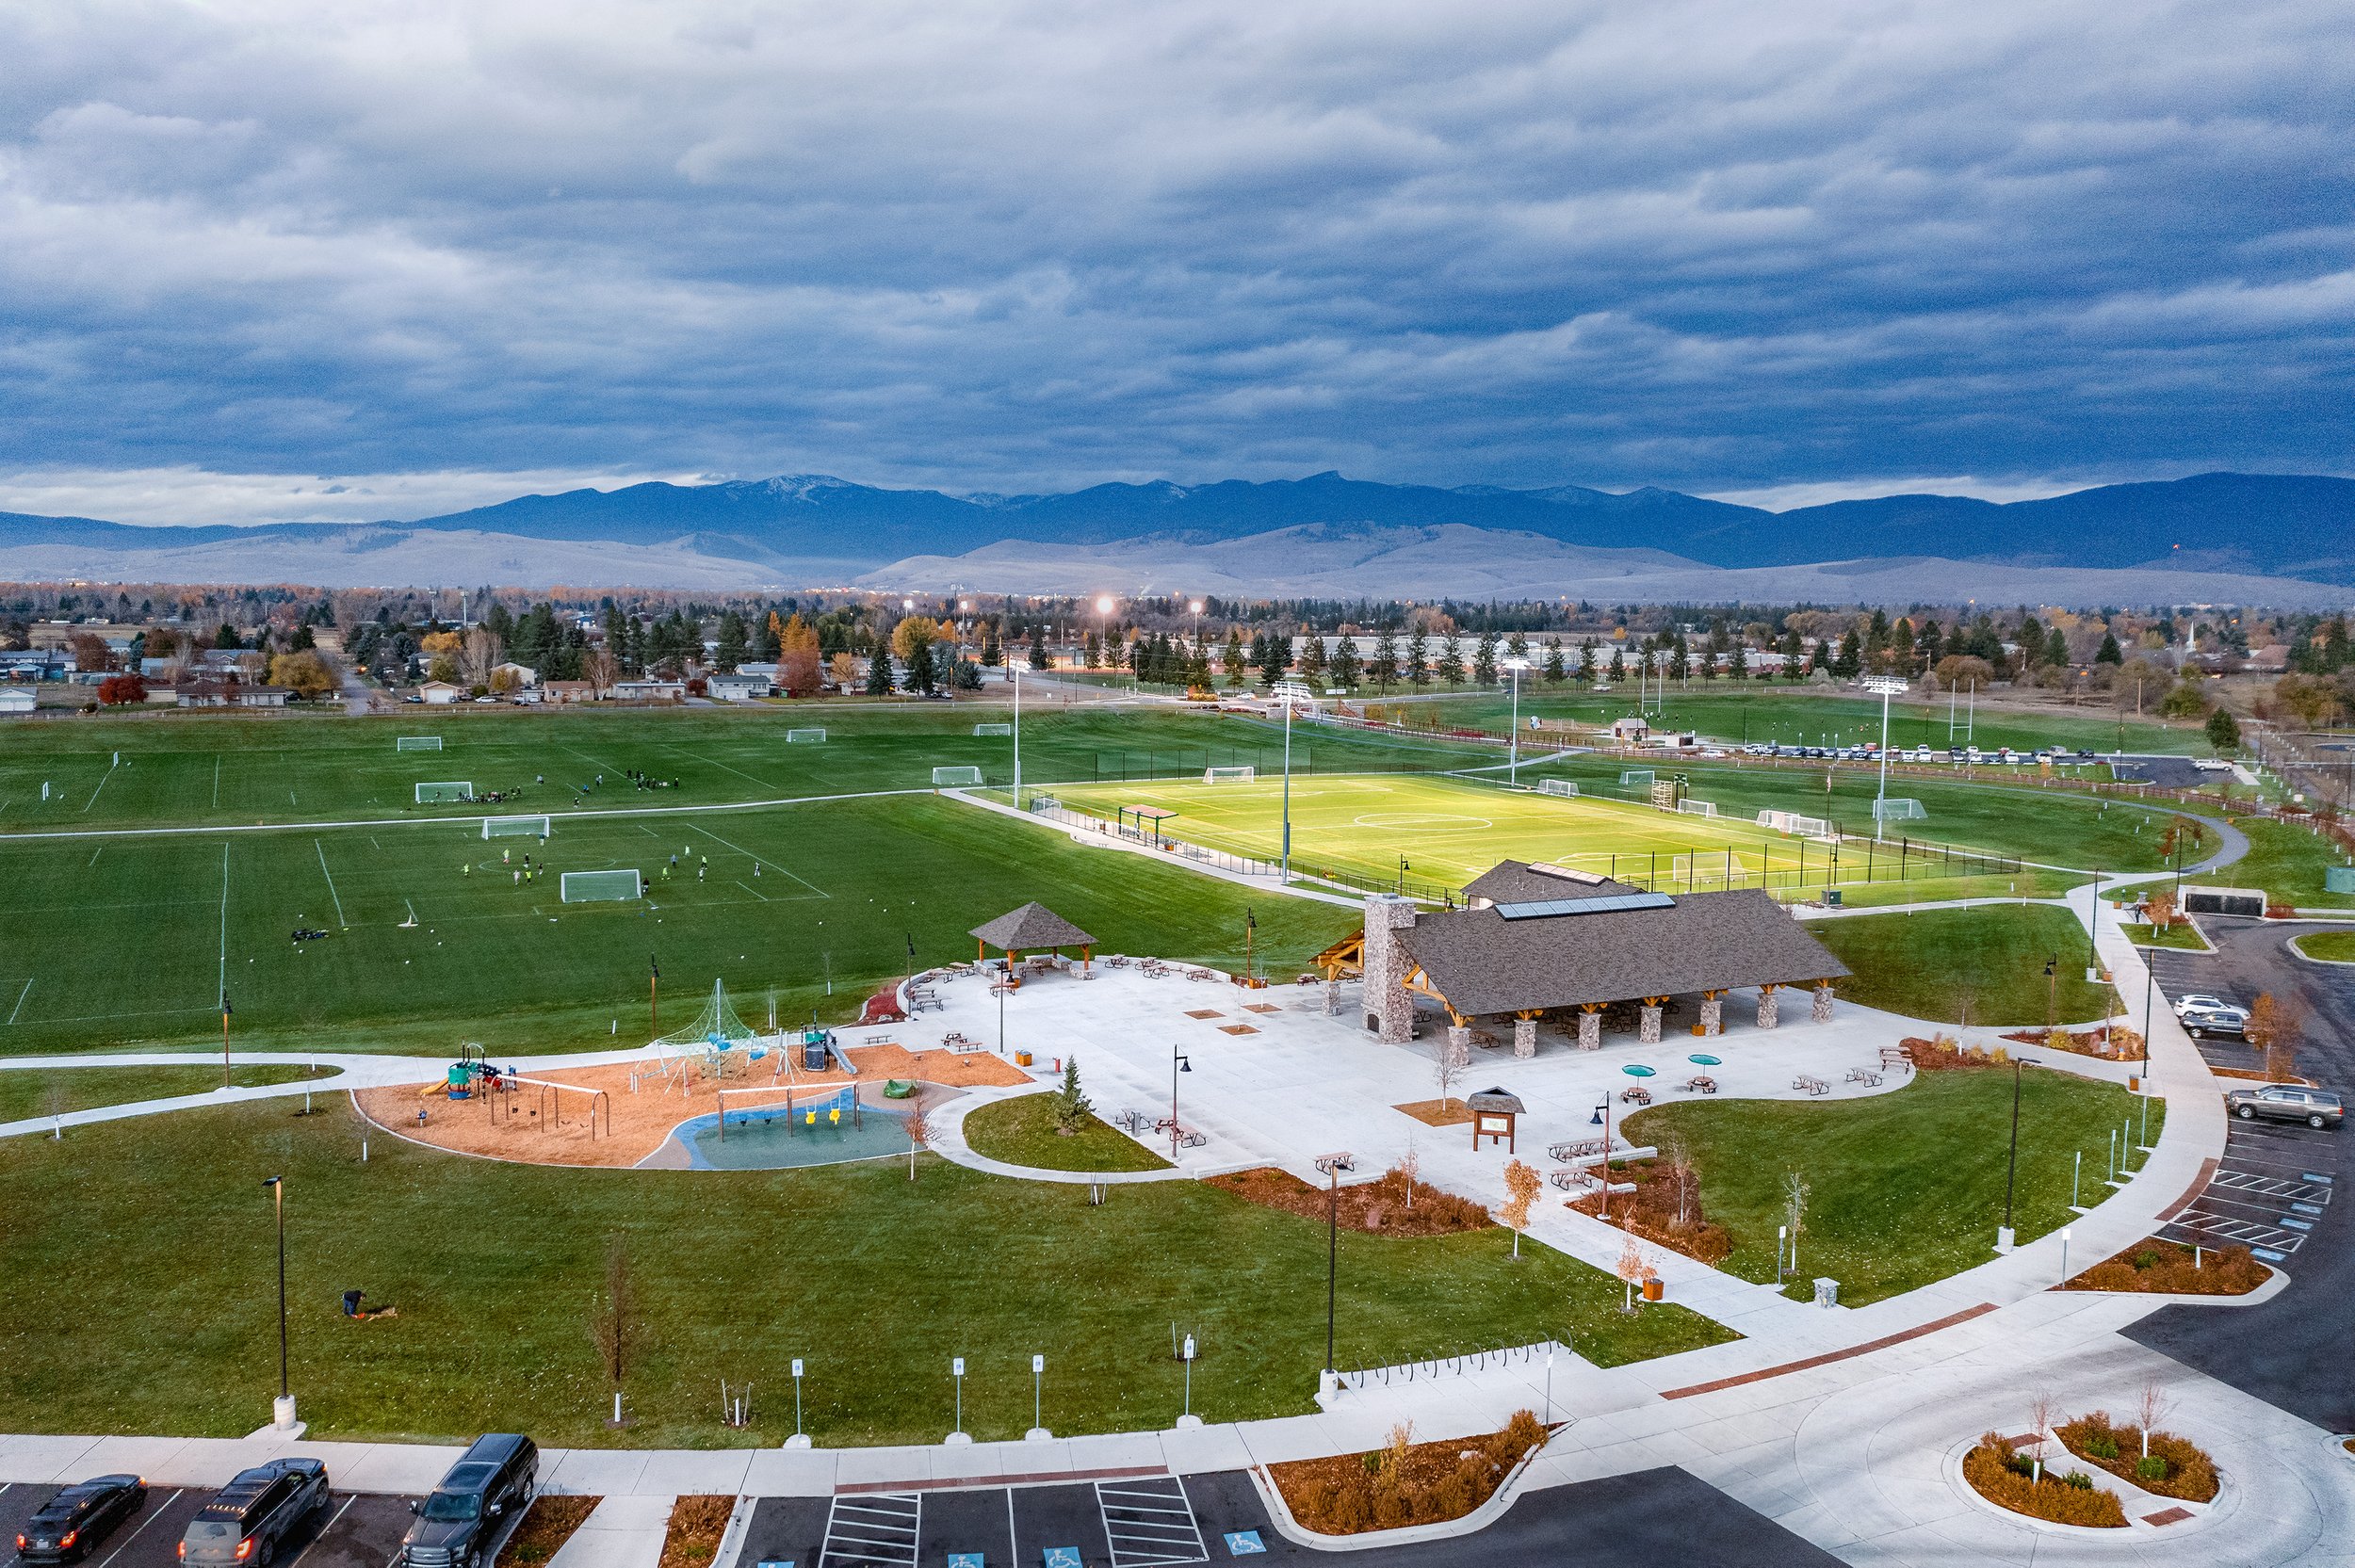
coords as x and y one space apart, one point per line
993 729
591 887
804 737
1557 787
417 743
453 790
1229 775
1635 777
1691 807
1898 810
945 777
514 827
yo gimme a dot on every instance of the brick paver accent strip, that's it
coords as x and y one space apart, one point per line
1042 1478
1202 1013
1829 1356
2198 1185
2168 1516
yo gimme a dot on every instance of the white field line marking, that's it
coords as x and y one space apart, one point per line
715 762
761 859
95 853
19 1001
411 909
102 783
754 891
216 783
331 884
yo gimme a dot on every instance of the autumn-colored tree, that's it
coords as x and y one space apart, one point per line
842 670
90 651
914 632
1521 1186
305 675
2273 1028
797 657
116 690
2160 909
1633 1268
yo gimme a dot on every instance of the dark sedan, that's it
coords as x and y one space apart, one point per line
69 1523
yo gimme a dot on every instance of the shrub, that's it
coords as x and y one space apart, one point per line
2175 1467
1992 1470
1405 1482
2150 1467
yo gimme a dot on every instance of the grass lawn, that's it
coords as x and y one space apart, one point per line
1022 1131
122 1313
793 899
156 769
2185 938
60 1091
2028 884
2287 860
2330 947
1904 1187
1978 965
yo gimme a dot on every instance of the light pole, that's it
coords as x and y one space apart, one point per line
2011 1169
1513 765
1286 872
1887 685
1016 671
283 1412
1178 1062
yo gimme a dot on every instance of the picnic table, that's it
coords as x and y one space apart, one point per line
1635 1094
1700 1083
1864 1076
1806 1084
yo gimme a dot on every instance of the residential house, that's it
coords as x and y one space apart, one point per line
569 692
16 700
739 687
650 690
442 692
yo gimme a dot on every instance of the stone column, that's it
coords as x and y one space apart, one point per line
1769 1007
1590 1032
1524 1037
1389 1007
1459 1045
1332 998
1648 1029
1712 1015
1821 1007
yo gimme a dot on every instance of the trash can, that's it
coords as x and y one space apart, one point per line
1831 897
1655 1290
1827 1293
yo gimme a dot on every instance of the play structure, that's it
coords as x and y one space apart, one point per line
801 1110
473 1077
719 1045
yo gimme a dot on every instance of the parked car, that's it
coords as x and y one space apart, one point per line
2231 1023
492 1480
64 1528
1922 753
2282 1102
2199 1001
253 1516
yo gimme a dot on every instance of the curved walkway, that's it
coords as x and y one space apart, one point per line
948 1143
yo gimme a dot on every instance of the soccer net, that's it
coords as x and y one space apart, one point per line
804 737
956 776
514 827
457 790
417 743
1229 775
1636 776
1698 808
1792 822
1899 810
993 729
1557 787
590 887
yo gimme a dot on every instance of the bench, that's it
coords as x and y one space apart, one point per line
1185 1137
1804 1084
1619 1155
1864 1076
1896 1055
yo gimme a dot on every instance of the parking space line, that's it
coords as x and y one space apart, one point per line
320 1534
879 1528
154 1514
1150 1523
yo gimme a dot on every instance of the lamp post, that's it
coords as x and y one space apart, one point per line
224 1039
799 1439
2012 1167
1016 671
1332 1254
1513 764
1286 876
1887 685
282 1413
1178 1062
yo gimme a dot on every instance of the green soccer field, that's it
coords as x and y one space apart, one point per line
1449 831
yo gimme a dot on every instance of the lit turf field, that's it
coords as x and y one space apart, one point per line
1450 832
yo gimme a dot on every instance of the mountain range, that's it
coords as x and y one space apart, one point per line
2280 539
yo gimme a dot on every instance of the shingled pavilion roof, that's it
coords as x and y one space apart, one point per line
1512 881
1032 925
1483 963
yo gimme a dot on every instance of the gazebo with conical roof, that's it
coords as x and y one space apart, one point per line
1033 927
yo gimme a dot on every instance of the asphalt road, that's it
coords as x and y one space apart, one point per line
2289 1351
355 1531
1653 1517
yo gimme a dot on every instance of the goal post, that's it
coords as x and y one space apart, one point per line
804 737
515 827
1229 775
457 789
417 743
1557 787
985 729
592 887
950 777
1636 776
1898 809
1690 807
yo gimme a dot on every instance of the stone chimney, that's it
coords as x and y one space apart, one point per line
1390 1006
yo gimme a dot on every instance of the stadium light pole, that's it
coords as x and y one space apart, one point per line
1887 685
1016 670
1284 874
1513 765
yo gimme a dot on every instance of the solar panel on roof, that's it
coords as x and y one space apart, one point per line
1608 904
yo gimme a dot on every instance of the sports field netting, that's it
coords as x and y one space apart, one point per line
1792 822
417 743
1691 807
1229 775
449 790
980 730
952 776
1557 787
1899 809
804 737
1635 777
514 827
592 887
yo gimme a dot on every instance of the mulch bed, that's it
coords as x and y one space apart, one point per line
1998 1474
1377 1205
1947 1055
697 1522
2104 1042
1437 1113
2179 1467
549 1524
1403 1483
2165 1268
1650 1212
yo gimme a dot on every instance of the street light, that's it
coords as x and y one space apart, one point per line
2011 1169
1887 685
1513 765
1286 873
282 1413
1178 1062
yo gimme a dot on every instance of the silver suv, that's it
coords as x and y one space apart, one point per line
2282 1102
252 1519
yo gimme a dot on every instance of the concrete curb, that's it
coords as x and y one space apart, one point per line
1508 1492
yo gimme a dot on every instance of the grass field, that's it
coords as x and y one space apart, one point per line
2329 947
1983 965
61 1091
170 1326
1906 1187
156 769
1022 1131
2183 938
2288 862
134 940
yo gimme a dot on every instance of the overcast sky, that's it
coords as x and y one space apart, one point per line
265 260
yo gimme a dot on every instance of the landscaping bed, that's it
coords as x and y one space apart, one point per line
545 1526
1022 1131
1653 1211
697 1523
1437 1113
1375 1205
1404 1483
2165 1267
2007 1479
2174 1467
2106 1042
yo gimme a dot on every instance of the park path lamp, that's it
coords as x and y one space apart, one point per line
1013 672
1286 876
282 1413
2011 1170
1178 1062
1887 685
1187 1417
1513 755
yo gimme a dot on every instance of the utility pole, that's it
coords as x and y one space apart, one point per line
1513 765
1286 870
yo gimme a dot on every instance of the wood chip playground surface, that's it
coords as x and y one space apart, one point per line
514 1127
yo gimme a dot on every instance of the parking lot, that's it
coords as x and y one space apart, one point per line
358 1530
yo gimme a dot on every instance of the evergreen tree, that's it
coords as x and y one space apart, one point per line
923 667
1557 669
2056 651
1849 661
1346 666
1485 661
730 652
1587 660
1232 659
1040 658
1516 646
1275 654
1618 664
1929 646
768 640
1681 659
2224 731
1312 661
1738 659
1451 663
2110 652
1383 669
1418 660
992 654
879 672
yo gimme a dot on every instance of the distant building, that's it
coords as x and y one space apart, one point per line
650 691
739 687
17 700
206 693
512 676
440 692
570 691
1629 730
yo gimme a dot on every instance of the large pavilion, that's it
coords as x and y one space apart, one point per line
1031 928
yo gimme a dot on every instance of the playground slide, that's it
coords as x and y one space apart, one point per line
432 1089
